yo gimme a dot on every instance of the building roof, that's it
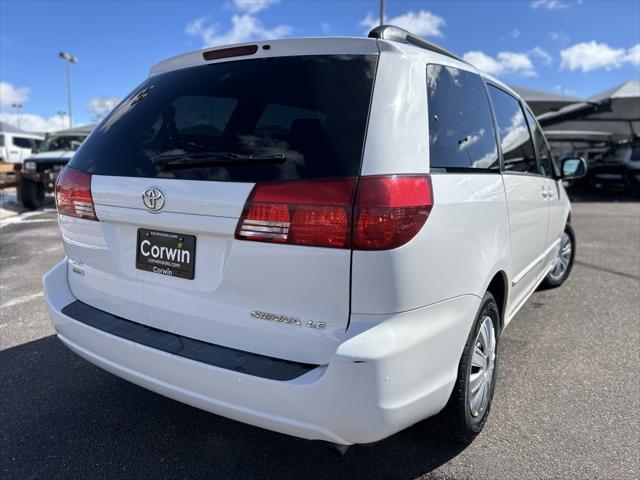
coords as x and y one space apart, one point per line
616 111
77 130
7 127
624 90
542 102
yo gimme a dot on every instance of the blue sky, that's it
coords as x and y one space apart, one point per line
578 47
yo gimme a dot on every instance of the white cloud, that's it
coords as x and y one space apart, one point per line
559 37
504 63
515 33
563 91
10 94
36 123
554 4
253 6
588 56
633 55
101 106
244 28
483 62
544 57
516 62
419 23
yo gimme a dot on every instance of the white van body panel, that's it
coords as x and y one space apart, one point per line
275 48
384 311
363 395
469 222
232 278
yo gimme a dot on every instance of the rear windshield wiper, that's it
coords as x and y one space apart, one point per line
212 159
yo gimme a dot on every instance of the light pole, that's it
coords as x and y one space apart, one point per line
381 12
70 59
17 106
61 114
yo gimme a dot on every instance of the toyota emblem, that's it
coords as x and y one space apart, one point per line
153 199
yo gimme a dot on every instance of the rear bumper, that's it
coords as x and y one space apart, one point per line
393 374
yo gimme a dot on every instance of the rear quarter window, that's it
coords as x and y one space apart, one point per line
312 110
461 132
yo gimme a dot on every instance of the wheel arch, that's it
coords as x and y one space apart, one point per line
499 288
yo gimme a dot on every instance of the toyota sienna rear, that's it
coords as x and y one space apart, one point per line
257 231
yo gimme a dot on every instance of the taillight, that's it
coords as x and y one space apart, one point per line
390 210
73 194
313 213
385 212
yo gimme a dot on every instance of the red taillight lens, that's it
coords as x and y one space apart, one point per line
314 213
390 210
73 194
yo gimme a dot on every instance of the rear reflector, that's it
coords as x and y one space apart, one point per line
388 211
73 194
230 52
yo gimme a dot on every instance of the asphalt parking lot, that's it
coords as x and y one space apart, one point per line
566 404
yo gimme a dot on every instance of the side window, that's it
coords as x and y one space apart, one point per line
461 133
515 140
22 142
544 154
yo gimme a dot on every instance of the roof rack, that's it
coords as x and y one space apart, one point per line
397 34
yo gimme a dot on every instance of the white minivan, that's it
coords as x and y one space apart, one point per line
321 237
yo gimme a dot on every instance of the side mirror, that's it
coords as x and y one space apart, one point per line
573 168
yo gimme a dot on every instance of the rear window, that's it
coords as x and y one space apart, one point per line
284 118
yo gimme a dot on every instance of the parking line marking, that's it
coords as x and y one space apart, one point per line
19 300
24 218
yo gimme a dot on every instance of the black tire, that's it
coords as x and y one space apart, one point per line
463 425
31 194
633 182
553 282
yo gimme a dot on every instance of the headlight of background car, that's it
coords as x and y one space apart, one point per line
30 166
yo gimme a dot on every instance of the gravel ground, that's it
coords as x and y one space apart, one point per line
565 407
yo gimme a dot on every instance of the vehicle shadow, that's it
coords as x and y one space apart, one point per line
580 195
62 417
10 203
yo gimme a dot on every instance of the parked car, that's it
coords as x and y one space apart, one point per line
321 237
618 167
38 173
